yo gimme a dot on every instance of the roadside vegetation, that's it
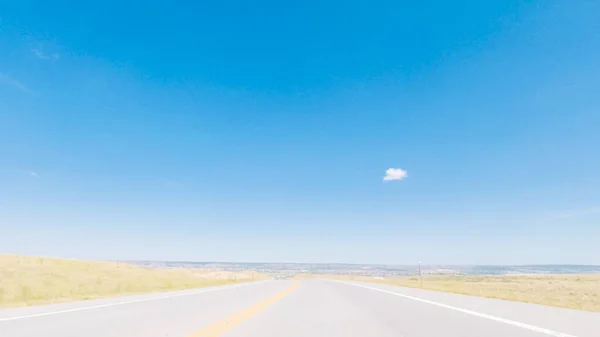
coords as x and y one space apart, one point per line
29 280
580 292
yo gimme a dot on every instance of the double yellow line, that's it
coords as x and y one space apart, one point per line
218 328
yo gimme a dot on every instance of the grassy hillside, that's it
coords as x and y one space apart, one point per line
28 280
568 291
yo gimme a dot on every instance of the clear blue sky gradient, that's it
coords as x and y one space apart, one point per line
261 131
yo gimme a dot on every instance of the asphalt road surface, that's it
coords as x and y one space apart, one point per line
315 308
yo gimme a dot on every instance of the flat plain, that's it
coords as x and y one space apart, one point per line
29 280
580 291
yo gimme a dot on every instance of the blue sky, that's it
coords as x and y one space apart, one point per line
262 131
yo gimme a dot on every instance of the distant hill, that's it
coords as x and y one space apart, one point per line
375 269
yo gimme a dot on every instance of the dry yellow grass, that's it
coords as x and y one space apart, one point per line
28 280
568 291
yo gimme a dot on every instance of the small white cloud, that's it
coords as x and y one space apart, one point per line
25 172
395 174
11 81
43 56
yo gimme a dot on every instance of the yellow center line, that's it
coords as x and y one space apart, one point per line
218 328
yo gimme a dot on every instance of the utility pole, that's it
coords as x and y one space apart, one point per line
420 276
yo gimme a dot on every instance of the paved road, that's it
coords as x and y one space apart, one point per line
315 308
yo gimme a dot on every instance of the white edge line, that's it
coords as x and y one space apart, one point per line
126 302
470 312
